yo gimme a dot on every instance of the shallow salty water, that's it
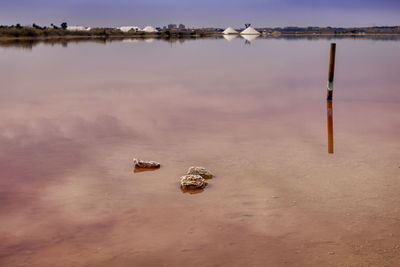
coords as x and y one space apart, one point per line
72 118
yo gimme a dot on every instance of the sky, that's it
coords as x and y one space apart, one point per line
202 13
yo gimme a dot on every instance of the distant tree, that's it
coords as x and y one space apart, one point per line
34 25
18 26
54 26
64 25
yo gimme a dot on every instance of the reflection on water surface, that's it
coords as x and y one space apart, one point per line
329 109
73 117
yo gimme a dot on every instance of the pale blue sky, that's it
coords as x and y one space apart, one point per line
217 13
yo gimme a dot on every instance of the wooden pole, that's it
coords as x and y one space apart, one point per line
331 71
329 110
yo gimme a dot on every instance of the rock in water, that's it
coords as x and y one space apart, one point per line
193 182
146 164
200 171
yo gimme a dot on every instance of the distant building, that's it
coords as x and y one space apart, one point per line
181 27
78 28
129 28
171 26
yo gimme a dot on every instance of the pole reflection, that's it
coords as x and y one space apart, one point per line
329 110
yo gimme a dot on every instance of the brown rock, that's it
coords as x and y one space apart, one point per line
203 172
193 182
146 164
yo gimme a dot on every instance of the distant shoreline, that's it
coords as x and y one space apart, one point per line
54 32
160 36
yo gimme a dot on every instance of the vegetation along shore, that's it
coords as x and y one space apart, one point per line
46 32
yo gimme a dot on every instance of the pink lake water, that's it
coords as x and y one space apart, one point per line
72 118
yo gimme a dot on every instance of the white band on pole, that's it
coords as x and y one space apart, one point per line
330 86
